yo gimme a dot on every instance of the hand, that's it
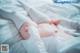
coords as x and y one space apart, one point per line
24 30
54 21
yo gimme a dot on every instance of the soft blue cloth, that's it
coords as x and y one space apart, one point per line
7 30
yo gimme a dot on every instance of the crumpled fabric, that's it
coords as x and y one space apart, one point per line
49 14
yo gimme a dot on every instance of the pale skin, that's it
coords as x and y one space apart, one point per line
42 27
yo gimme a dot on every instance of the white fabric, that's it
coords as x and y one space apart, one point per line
34 44
43 12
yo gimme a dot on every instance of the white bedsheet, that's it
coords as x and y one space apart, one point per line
51 11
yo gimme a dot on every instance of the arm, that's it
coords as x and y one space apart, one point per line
13 11
40 17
